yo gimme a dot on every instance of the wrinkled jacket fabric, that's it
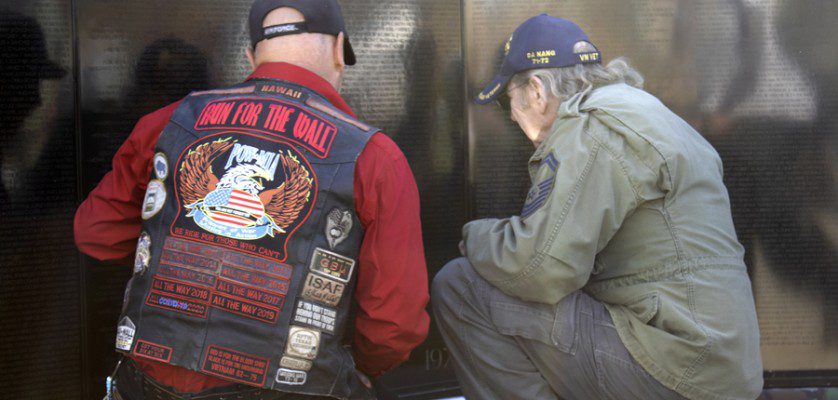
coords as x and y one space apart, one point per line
628 204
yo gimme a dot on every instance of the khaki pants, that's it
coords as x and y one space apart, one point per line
506 348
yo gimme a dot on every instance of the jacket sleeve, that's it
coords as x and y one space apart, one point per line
392 290
108 222
579 199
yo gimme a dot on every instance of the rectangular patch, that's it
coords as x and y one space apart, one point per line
235 366
322 289
295 363
192 261
258 264
245 308
187 275
171 303
153 351
271 116
332 265
186 246
249 293
291 377
253 278
315 316
179 289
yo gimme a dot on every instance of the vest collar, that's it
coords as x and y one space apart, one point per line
303 77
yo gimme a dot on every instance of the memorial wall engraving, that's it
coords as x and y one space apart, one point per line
757 78
39 282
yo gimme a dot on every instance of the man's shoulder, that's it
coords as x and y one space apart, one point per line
384 148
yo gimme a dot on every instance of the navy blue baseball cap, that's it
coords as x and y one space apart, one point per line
542 41
321 16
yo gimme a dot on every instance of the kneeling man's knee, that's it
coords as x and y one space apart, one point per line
450 280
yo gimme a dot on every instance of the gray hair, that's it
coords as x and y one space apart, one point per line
565 82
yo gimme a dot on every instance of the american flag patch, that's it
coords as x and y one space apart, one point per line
234 207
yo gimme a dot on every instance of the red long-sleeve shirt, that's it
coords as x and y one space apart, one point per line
392 289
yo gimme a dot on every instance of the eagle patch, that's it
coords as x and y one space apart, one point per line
243 187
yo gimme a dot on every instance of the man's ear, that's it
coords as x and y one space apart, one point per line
338 51
537 94
250 57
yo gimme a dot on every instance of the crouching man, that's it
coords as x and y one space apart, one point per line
622 278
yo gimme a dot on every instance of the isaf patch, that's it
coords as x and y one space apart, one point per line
322 289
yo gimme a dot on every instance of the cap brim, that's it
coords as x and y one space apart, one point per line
348 52
493 90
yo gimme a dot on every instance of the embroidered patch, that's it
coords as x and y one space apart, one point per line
235 366
315 316
143 256
125 334
338 225
551 162
161 166
332 265
244 192
155 198
249 309
295 363
178 305
291 377
322 289
273 117
153 351
303 343
537 197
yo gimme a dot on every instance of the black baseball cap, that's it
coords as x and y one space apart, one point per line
321 16
542 41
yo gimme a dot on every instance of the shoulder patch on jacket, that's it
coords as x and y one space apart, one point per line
539 193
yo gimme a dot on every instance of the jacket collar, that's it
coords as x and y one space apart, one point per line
303 77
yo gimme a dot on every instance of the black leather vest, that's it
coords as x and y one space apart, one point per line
245 268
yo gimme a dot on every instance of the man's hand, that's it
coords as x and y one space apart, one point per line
463 248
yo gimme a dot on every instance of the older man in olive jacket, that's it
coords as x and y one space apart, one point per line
622 278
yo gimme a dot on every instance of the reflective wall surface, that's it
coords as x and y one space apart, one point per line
759 78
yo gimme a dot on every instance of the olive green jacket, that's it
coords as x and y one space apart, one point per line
628 205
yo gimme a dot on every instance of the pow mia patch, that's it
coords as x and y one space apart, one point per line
322 289
143 256
155 198
161 166
332 265
303 343
291 377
